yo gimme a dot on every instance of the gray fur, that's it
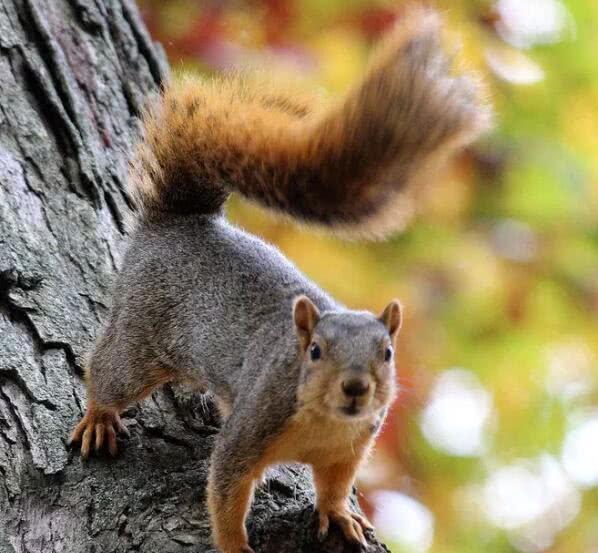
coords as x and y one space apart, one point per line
213 305
203 299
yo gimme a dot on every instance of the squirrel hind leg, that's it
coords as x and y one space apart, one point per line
107 397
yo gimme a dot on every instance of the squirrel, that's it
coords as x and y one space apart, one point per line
297 376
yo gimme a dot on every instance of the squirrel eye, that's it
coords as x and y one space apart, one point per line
315 352
387 354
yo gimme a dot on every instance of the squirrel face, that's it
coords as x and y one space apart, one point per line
347 368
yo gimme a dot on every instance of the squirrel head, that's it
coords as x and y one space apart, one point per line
347 359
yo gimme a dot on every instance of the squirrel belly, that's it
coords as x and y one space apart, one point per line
202 301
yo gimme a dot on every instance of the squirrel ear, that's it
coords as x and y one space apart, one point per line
391 317
306 316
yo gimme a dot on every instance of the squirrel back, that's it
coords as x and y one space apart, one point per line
348 166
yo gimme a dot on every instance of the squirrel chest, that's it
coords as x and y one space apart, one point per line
315 439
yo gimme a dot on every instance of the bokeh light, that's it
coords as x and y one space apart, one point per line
403 520
533 499
580 452
455 419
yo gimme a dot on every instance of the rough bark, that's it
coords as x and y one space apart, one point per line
73 79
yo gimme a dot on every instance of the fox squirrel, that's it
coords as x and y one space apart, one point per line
296 375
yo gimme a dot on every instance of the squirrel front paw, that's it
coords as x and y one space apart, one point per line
352 524
103 425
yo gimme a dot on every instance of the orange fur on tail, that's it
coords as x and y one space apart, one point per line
345 166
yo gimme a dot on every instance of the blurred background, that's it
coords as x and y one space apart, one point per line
493 443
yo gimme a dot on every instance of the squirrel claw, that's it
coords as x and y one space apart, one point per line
351 524
363 521
120 426
100 426
322 534
323 527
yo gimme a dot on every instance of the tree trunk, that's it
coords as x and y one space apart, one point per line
74 76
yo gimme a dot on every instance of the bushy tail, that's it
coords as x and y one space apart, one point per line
344 167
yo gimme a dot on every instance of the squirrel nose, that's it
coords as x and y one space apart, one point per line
355 387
